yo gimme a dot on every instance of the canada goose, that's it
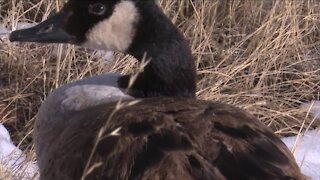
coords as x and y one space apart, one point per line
80 133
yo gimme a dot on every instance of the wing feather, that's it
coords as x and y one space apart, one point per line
170 139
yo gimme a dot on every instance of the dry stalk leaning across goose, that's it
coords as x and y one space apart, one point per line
160 130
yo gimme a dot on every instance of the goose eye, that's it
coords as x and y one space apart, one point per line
97 9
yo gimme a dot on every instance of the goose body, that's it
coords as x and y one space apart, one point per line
106 127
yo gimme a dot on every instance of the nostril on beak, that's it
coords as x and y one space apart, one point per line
46 29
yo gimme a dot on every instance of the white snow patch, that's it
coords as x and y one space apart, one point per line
306 147
307 152
13 162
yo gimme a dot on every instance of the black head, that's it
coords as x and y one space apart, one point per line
136 27
98 24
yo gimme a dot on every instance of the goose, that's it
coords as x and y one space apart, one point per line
152 127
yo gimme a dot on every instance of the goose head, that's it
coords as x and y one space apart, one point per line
106 25
135 27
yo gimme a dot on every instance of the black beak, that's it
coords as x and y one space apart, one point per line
51 30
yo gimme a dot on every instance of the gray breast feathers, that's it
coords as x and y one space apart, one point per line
64 102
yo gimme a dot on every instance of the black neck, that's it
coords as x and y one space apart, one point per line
171 70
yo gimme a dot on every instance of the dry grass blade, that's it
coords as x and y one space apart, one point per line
263 56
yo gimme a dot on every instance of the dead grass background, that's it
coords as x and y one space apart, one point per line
262 55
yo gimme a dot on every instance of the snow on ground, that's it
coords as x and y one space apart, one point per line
306 150
306 147
13 162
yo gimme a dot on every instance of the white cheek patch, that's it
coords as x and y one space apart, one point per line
117 32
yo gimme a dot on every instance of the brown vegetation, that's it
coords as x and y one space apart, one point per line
263 56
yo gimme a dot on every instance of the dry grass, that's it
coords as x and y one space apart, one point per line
263 56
